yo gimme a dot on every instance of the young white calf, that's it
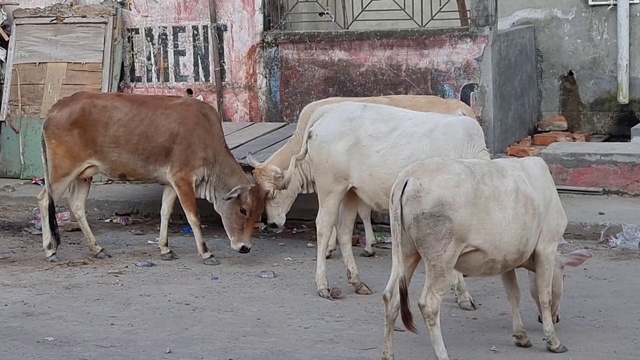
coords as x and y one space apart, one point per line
481 218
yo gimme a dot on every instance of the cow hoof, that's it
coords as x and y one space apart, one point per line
103 255
211 260
54 258
169 256
366 253
522 341
363 289
559 350
468 305
324 293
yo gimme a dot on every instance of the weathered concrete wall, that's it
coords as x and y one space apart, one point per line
515 95
304 67
179 35
578 47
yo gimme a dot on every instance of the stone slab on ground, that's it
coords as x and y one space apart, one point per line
615 167
588 215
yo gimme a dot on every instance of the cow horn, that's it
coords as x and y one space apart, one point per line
252 161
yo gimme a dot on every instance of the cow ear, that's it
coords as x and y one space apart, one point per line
576 258
235 192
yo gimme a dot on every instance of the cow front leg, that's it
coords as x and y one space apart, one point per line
348 213
187 198
512 289
78 193
325 220
461 292
169 197
365 215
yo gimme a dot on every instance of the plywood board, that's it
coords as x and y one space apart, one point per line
247 134
231 127
264 142
56 73
59 43
77 74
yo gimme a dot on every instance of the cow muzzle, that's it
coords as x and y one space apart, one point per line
275 228
244 249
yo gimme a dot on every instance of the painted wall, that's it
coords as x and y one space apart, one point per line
172 52
578 51
304 67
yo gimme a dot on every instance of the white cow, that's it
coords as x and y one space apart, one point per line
482 218
354 151
280 202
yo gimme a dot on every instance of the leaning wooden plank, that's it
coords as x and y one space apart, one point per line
264 142
6 88
106 57
59 43
56 72
247 134
231 127
263 154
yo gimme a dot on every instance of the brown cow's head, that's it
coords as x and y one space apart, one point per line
573 259
240 209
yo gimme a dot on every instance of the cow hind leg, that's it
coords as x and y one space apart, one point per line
187 197
512 289
348 213
333 243
169 197
46 205
78 193
391 299
461 292
431 301
365 214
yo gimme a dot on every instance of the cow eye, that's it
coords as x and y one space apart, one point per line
243 211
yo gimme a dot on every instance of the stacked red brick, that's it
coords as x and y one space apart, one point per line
547 132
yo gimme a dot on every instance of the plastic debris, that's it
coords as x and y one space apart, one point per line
628 238
493 349
187 230
267 274
281 244
137 232
8 188
335 293
153 242
214 277
288 259
38 181
168 351
311 245
61 218
145 263
49 338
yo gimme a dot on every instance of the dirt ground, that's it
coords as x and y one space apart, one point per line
112 309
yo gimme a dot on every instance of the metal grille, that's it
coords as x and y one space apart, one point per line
364 14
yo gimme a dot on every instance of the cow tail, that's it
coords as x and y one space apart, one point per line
395 216
51 210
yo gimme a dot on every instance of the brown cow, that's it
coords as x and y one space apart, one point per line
173 140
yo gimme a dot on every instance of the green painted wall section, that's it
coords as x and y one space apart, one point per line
10 162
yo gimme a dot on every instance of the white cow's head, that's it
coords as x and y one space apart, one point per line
573 259
279 200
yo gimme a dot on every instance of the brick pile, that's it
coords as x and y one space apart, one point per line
547 132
